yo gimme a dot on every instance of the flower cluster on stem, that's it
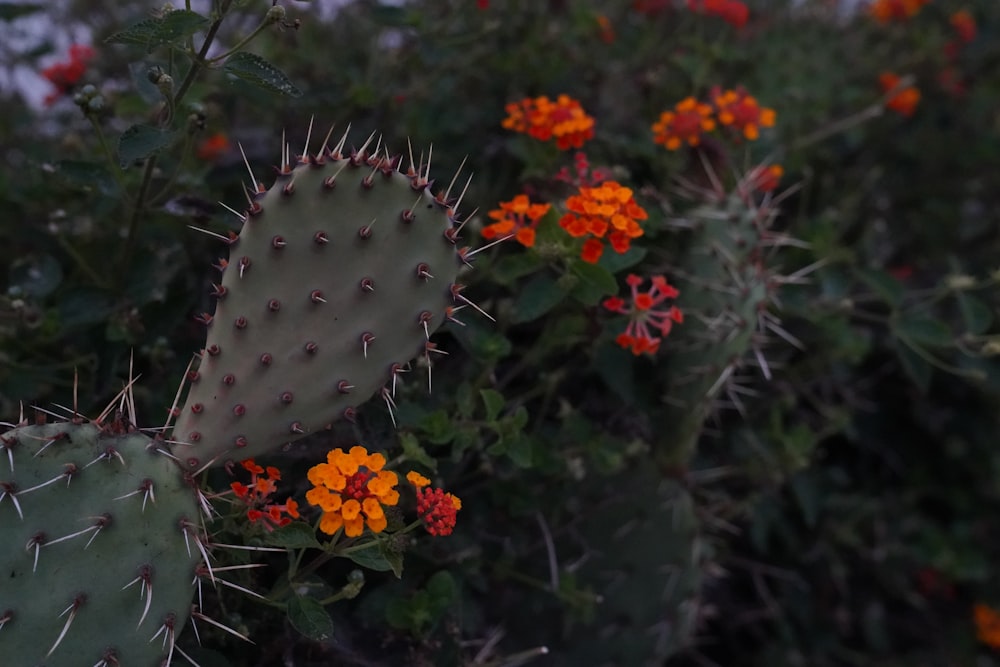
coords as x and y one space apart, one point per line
541 118
263 483
691 119
606 212
65 75
649 321
352 488
518 217
437 510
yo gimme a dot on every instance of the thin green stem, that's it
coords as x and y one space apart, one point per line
140 203
112 162
240 44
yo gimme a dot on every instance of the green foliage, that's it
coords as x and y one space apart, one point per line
824 417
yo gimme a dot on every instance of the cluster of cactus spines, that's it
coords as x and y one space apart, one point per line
340 273
643 559
101 541
728 282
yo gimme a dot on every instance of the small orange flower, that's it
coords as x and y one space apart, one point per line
606 211
351 489
644 316
604 29
517 216
685 124
902 101
543 119
737 109
213 147
987 622
964 24
258 492
885 11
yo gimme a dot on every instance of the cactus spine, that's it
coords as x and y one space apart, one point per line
340 273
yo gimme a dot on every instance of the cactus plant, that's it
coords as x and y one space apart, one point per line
340 273
726 282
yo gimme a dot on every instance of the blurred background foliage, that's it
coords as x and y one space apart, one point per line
846 517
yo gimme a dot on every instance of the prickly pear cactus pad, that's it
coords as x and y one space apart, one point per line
98 547
340 273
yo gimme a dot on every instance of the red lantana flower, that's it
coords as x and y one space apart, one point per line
256 495
766 178
438 510
65 75
885 11
213 147
964 25
582 174
733 12
646 315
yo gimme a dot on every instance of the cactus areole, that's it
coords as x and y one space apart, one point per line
338 277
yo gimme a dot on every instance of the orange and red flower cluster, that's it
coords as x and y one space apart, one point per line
645 314
351 488
901 100
65 75
733 12
517 216
543 119
607 211
987 622
690 119
438 510
256 494
885 11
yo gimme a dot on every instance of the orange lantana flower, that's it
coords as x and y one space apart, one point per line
964 24
606 211
903 101
351 489
895 10
766 178
685 124
517 216
987 622
740 111
544 119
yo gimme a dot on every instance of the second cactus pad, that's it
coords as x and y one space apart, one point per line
340 273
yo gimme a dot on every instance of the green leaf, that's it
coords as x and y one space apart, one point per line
595 282
88 176
612 262
394 558
976 315
515 266
371 558
519 451
308 617
35 276
84 306
442 589
142 141
538 297
438 427
915 366
172 27
296 535
413 451
255 70
9 12
923 330
494 402
883 284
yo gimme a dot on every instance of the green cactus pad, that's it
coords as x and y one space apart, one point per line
339 274
642 558
94 558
